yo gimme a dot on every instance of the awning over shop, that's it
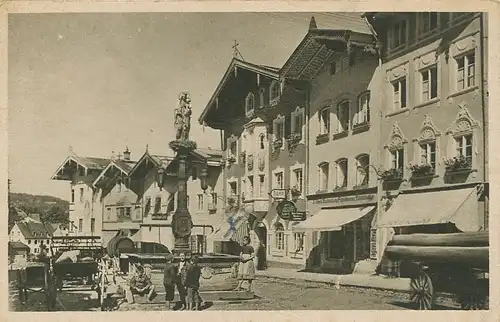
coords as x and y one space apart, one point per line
332 219
459 207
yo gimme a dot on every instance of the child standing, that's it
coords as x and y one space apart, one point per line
192 284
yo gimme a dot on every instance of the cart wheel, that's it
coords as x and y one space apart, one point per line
422 291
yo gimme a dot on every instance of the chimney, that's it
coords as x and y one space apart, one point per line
126 154
312 24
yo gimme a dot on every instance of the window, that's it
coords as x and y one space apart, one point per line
428 153
397 158
80 225
71 226
250 186
297 120
362 114
398 35
187 201
147 207
429 84
343 117
464 146
427 22
333 68
278 180
92 225
233 188
279 236
72 195
250 103
232 148
466 71
200 201
262 185
298 179
171 203
157 205
81 195
323 176
274 91
29 242
399 93
341 167
324 121
214 198
81 172
363 170
279 131
261 97
298 242
261 141
36 241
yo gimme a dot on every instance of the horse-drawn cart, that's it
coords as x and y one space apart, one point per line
450 263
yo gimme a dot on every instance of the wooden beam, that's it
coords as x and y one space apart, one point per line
322 64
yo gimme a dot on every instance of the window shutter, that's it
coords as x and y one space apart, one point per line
288 125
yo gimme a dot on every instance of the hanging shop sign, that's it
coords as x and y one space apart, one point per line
286 209
298 216
278 193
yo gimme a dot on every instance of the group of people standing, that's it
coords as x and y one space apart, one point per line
185 277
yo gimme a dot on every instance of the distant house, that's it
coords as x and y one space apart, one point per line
18 253
32 233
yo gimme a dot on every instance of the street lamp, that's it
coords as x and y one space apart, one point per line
204 178
159 177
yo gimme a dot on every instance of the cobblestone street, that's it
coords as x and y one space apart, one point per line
297 295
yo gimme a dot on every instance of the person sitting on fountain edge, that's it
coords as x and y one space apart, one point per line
141 284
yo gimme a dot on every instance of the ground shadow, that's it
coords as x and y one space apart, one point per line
411 306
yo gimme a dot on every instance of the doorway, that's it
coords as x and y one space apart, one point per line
261 251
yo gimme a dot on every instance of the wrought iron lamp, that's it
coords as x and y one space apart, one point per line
159 177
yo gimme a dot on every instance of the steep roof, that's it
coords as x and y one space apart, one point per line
32 229
90 163
122 165
18 245
271 72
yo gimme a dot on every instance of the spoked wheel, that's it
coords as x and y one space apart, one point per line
422 291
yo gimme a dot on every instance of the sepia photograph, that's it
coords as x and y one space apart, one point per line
248 161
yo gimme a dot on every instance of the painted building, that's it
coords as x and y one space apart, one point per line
434 122
34 234
341 70
263 123
155 177
81 172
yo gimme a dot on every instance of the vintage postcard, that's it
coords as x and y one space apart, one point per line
249 157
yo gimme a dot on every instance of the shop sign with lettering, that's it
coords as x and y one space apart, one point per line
286 209
347 199
299 216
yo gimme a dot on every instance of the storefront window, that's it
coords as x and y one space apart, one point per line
298 240
279 236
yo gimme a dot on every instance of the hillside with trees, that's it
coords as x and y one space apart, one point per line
51 209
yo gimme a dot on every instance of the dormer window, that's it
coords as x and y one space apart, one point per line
428 22
397 35
250 104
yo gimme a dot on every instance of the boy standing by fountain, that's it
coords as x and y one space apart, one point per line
192 284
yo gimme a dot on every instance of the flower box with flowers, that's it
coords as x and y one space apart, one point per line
421 169
459 163
394 174
277 144
295 191
295 137
231 159
243 157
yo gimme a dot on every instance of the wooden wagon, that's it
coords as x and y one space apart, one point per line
37 277
449 263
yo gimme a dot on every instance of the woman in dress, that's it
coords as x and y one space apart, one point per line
246 267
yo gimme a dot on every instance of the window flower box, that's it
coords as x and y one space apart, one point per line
361 127
295 137
277 144
421 169
456 164
295 191
341 134
322 138
231 159
394 174
243 157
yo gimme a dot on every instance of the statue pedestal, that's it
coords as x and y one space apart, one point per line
181 221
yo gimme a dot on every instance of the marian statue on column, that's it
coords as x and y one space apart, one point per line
183 117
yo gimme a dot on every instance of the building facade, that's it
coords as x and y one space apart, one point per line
342 73
434 122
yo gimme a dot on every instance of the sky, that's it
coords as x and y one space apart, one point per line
100 82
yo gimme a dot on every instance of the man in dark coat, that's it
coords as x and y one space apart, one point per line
170 280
